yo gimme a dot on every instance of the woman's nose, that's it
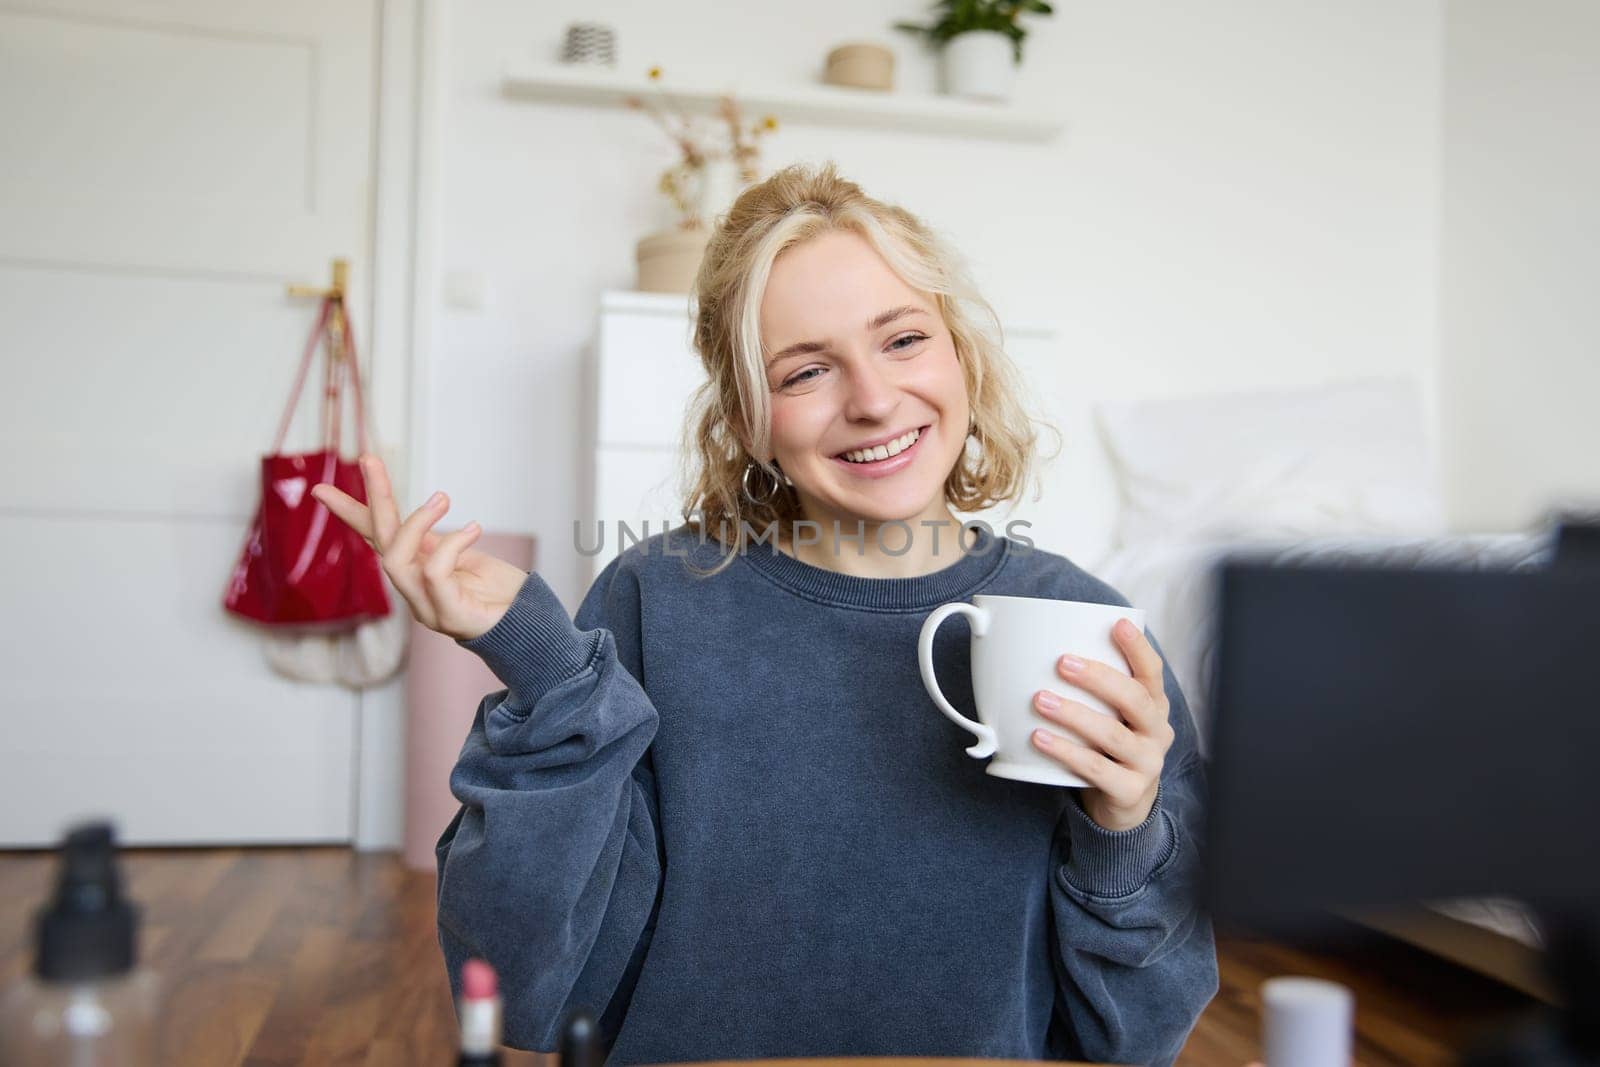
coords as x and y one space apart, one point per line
872 394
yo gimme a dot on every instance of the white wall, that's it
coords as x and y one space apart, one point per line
1246 194
1520 259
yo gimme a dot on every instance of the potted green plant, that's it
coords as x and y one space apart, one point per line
981 43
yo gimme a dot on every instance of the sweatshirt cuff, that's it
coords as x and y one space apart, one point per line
1115 863
535 646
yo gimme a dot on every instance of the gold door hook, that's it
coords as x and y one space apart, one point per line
341 278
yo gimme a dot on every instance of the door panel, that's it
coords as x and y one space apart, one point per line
171 166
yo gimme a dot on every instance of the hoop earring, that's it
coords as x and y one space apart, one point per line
744 480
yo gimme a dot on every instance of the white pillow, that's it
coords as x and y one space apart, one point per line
1350 457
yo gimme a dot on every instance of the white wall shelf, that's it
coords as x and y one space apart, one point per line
819 104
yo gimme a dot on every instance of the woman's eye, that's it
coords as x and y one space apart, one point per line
801 378
899 344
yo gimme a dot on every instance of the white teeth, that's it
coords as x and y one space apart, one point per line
893 448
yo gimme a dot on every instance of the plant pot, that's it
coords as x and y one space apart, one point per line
668 260
979 65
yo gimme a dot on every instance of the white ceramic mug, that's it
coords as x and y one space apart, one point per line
1016 641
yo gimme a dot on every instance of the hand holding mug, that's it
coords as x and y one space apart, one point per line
1110 739
1122 754
452 588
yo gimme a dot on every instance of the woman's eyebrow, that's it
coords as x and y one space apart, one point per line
880 320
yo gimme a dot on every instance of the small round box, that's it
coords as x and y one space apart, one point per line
860 66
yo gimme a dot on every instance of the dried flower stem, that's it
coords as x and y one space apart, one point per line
679 180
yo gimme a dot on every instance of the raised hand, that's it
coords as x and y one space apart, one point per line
451 587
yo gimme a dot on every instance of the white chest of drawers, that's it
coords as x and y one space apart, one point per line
643 372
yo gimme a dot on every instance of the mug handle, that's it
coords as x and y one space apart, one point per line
980 625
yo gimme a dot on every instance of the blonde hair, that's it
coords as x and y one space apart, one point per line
733 405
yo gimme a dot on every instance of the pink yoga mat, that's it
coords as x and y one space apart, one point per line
444 684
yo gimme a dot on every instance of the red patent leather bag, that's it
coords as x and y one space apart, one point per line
302 568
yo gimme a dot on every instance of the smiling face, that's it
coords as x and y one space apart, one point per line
869 405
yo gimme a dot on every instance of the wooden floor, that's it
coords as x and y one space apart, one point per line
278 956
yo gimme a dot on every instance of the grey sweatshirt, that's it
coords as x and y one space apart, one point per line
723 815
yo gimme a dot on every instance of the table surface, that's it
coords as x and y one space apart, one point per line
886 1061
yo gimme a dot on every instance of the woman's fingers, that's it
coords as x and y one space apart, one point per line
440 577
346 508
1128 696
401 565
356 515
446 556
1143 659
1120 784
422 564
380 500
407 541
1103 732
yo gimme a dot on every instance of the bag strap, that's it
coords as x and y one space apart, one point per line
300 378
332 325
344 338
328 418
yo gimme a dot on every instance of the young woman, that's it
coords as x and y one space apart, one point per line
717 808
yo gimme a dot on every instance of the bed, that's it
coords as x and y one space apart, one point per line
1328 474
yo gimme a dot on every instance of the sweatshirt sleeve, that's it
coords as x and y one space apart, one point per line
552 867
1135 962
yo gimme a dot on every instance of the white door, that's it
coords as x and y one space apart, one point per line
168 167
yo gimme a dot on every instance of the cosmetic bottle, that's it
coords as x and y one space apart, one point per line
1306 1022
85 1004
580 1041
479 1013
